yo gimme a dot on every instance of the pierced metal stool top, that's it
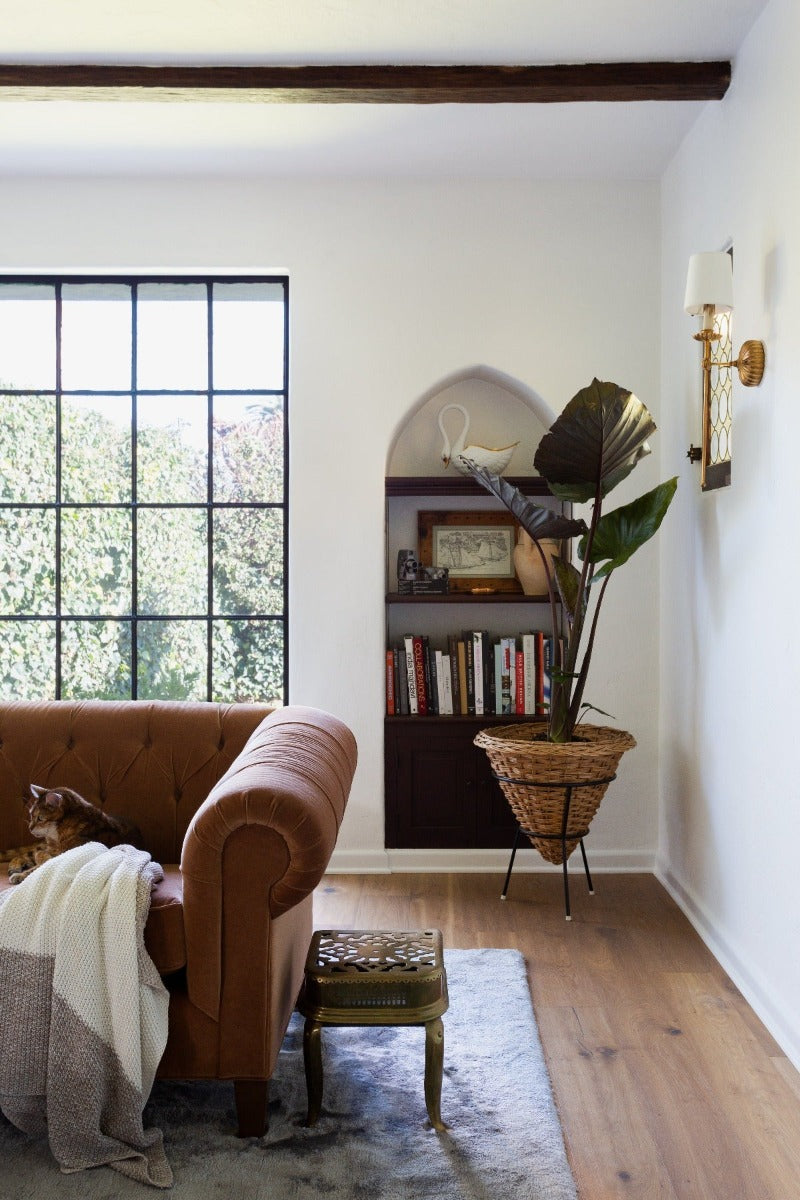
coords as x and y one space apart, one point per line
374 976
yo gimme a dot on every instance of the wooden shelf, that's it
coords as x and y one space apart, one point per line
458 485
468 598
467 718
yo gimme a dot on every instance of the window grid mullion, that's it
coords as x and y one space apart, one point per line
59 498
60 506
134 495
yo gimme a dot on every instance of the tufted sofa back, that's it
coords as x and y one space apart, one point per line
152 761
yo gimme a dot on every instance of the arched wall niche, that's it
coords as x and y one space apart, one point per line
501 410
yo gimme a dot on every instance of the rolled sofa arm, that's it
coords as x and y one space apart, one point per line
270 824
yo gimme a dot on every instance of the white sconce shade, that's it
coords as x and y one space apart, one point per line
709 283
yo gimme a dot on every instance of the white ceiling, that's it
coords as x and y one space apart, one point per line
493 141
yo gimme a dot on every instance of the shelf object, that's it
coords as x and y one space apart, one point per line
467 598
458 485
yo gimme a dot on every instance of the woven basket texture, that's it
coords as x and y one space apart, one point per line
534 774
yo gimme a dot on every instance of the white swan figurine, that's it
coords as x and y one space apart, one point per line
494 460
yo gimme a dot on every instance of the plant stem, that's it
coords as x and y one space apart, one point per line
562 721
577 696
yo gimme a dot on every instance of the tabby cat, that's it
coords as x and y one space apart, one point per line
63 820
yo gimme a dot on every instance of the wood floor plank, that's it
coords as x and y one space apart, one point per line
667 1084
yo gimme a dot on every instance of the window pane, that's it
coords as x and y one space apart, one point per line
28 336
173 561
172 449
96 337
248 560
248 450
28 449
172 337
27 561
248 335
96 561
96 660
27 660
96 449
172 660
248 661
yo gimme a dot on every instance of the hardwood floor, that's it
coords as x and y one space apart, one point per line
667 1084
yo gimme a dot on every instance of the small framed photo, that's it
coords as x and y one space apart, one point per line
477 548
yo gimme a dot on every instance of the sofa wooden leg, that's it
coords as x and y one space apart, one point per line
251 1106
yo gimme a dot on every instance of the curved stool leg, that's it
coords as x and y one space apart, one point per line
312 1060
434 1062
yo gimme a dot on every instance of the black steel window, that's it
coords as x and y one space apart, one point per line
143 487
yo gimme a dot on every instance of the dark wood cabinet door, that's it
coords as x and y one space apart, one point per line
440 793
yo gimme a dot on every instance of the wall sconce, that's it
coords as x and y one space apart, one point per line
709 290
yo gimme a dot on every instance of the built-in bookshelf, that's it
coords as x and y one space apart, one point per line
439 788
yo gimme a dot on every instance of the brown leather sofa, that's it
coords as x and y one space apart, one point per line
241 805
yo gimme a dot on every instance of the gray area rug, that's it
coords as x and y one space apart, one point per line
373 1139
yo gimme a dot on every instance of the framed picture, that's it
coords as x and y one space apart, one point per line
477 548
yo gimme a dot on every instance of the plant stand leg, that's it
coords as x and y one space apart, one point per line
564 824
586 869
504 892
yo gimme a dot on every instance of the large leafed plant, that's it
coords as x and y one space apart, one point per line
595 444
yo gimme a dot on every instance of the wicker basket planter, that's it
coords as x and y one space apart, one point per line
546 782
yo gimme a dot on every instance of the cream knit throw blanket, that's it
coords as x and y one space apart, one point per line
83 1011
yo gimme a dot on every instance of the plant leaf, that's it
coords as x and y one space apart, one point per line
568 582
597 441
593 708
620 533
536 520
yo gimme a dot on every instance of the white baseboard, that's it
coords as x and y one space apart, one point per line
755 990
375 862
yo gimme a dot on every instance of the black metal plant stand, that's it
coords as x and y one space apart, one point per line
563 836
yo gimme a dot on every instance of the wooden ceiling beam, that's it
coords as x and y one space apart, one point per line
361 84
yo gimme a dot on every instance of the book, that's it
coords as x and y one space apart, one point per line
455 677
390 702
418 663
469 653
519 681
463 688
402 683
548 673
539 691
477 661
529 673
447 686
506 676
411 675
430 677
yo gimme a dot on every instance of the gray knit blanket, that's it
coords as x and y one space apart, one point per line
83 1011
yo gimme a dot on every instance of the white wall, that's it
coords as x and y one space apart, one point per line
730 816
394 287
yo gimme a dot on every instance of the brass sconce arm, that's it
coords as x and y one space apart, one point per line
749 364
709 293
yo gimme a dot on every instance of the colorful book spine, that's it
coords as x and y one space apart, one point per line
411 675
463 680
539 672
548 673
390 701
477 660
402 684
529 685
418 652
519 682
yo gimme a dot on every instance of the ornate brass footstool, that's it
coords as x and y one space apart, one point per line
375 977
